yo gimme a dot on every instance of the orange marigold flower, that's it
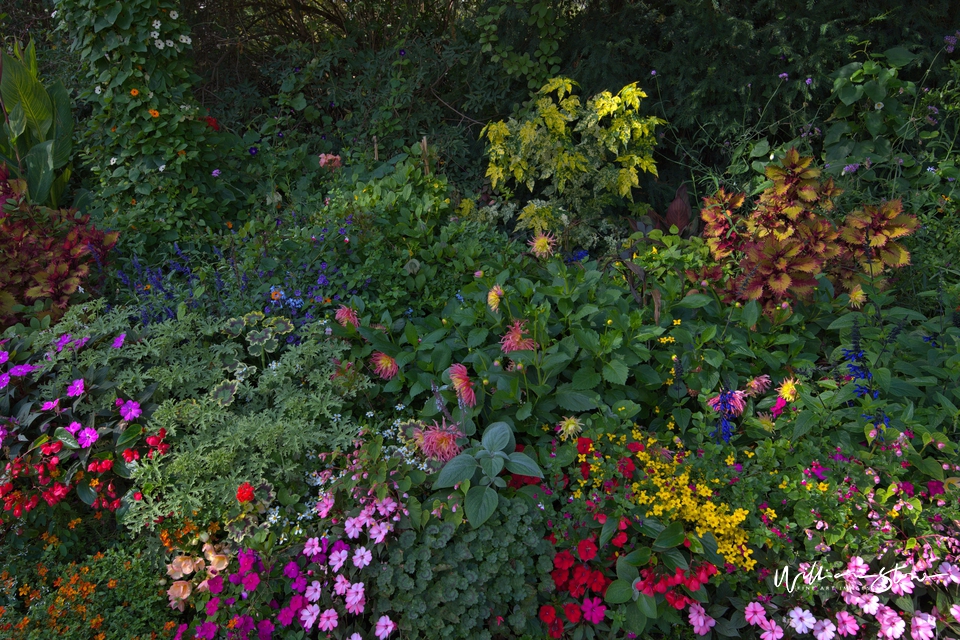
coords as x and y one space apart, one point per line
345 315
112 584
229 225
154 113
460 378
384 366
134 92
514 340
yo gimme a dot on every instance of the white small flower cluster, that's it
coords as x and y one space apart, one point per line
370 414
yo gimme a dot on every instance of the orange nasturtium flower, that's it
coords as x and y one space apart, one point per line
134 92
154 113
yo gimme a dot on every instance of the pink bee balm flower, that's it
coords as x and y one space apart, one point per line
75 389
542 245
130 410
385 627
87 437
846 624
758 385
362 557
771 630
460 378
923 626
328 620
384 366
514 340
309 615
755 613
438 441
345 315
824 629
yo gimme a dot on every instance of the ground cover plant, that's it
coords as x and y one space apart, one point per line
331 362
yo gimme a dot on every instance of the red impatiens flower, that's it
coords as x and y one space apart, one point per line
563 560
619 540
245 492
587 550
583 445
572 611
547 613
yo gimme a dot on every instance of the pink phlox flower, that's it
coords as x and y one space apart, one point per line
341 585
312 547
353 528
923 626
593 610
362 557
309 615
76 388
130 410
385 627
325 505
771 630
314 591
755 613
846 624
328 620
801 620
824 629
338 558
379 531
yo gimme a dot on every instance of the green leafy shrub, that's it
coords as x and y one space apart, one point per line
585 157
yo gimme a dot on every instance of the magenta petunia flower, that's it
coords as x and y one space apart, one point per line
130 410
87 437
76 388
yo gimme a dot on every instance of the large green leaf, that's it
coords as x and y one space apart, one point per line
456 471
18 86
39 161
480 504
62 125
496 436
618 592
670 537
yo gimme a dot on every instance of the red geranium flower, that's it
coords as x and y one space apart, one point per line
245 492
587 550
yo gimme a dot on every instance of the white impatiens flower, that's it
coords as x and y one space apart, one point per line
174 15
185 39
154 34
161 167
97 90
53 15
113 161
169 43
158 44
156 24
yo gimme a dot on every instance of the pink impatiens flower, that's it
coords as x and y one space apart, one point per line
755 613
362 557
75 389
51 405
314 591
328 620
771 630
801 620
385 627
338 558
130 410
593 610
341 585
87 437
309 615
846 624
73 427
824 629
379 531
325 505
353 528
923 626
118 341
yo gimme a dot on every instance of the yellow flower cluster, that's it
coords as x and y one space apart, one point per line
666 340
674 494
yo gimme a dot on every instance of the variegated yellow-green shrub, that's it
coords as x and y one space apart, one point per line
573 158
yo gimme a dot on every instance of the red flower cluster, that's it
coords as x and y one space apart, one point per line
245 492
212 122
156 443
650 583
